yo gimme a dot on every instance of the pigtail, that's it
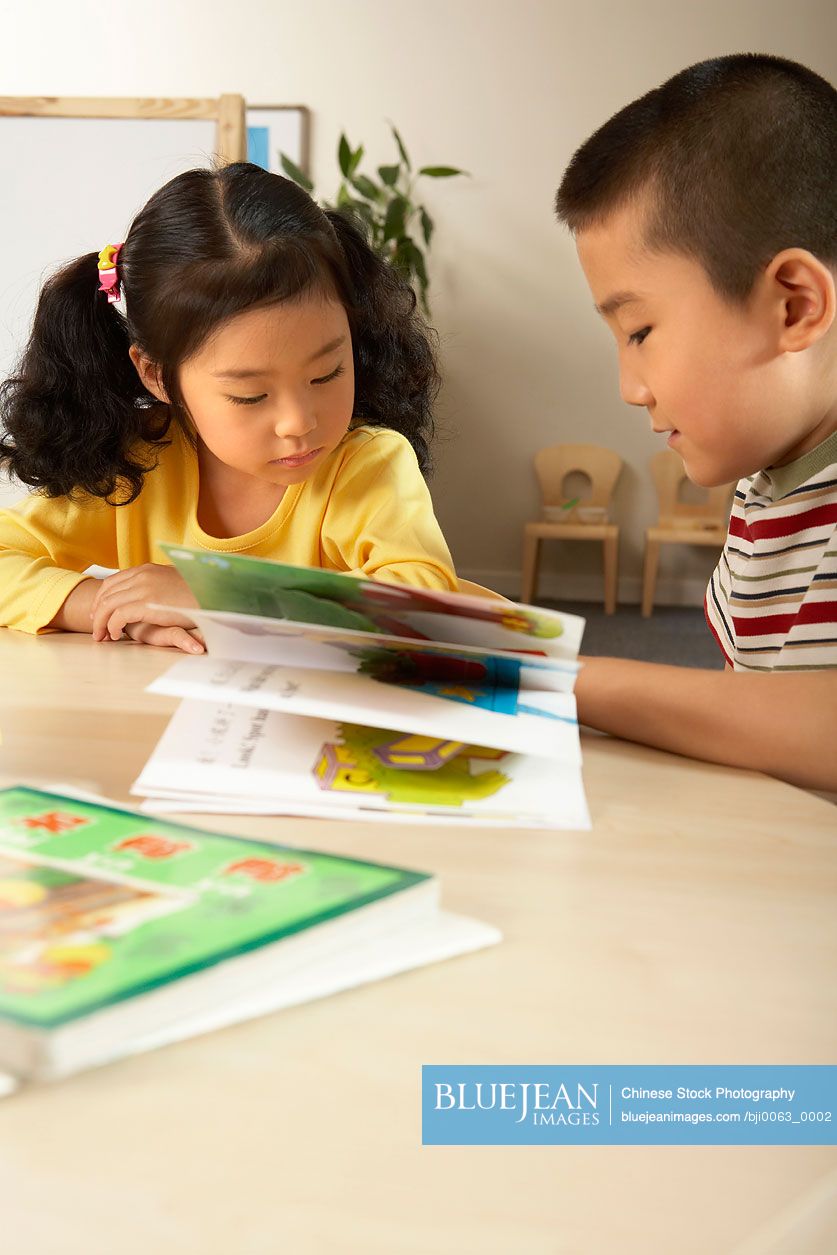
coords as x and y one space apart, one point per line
396 375
74 412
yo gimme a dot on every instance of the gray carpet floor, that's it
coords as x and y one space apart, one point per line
674 634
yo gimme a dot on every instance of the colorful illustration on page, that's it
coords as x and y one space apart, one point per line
416 770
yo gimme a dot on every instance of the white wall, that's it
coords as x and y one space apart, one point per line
506 89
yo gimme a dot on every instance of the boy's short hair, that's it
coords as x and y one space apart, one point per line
739 158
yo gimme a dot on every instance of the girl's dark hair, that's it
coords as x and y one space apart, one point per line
207 246
737 158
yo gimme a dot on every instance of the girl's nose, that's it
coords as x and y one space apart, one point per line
294 419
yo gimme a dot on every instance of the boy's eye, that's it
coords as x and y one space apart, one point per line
335 374
638 336
247 400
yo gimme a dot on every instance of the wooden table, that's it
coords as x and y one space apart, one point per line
696 923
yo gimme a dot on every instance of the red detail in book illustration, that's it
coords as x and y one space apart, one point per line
264 869
54 821
150 845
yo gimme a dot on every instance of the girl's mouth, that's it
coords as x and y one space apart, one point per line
299 459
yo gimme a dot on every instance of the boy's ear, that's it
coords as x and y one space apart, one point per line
804 288
149 373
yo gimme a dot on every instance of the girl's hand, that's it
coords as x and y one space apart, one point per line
123 604
191 642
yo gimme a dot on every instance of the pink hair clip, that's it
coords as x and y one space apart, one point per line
108 274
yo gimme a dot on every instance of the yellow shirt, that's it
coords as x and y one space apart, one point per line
366 510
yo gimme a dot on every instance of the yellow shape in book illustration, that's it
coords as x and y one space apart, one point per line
421 753
51 967
21 893
415 770
458 690
56 926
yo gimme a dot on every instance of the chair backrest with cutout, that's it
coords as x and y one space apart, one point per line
668 473
555 463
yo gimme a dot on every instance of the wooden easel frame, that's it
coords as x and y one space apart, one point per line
227 111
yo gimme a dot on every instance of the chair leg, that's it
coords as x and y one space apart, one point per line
611 572
531 545
649 576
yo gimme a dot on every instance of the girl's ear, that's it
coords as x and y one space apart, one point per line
805 292
149 373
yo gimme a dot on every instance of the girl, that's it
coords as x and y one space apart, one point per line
268 390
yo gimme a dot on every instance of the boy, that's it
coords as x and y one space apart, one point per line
705 216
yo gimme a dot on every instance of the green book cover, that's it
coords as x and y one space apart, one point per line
243 585
99 904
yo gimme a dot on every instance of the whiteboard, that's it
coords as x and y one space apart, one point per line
76 184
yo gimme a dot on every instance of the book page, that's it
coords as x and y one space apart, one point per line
477 705
257 586
323 767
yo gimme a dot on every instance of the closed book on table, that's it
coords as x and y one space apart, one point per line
119 932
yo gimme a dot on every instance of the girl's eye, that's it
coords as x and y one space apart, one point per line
247 400
639 336
335 374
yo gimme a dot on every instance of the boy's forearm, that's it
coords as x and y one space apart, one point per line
74 615
781 724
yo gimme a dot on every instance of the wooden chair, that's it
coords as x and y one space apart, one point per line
680 522
552 466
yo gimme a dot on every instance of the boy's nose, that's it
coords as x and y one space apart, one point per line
634 391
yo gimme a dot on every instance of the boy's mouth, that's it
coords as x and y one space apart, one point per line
673 433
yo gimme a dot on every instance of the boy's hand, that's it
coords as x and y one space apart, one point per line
122 604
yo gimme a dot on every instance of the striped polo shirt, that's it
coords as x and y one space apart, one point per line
772 599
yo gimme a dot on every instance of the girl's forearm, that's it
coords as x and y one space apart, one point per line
781 724
74 615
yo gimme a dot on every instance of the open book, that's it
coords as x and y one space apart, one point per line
119 933
373 700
